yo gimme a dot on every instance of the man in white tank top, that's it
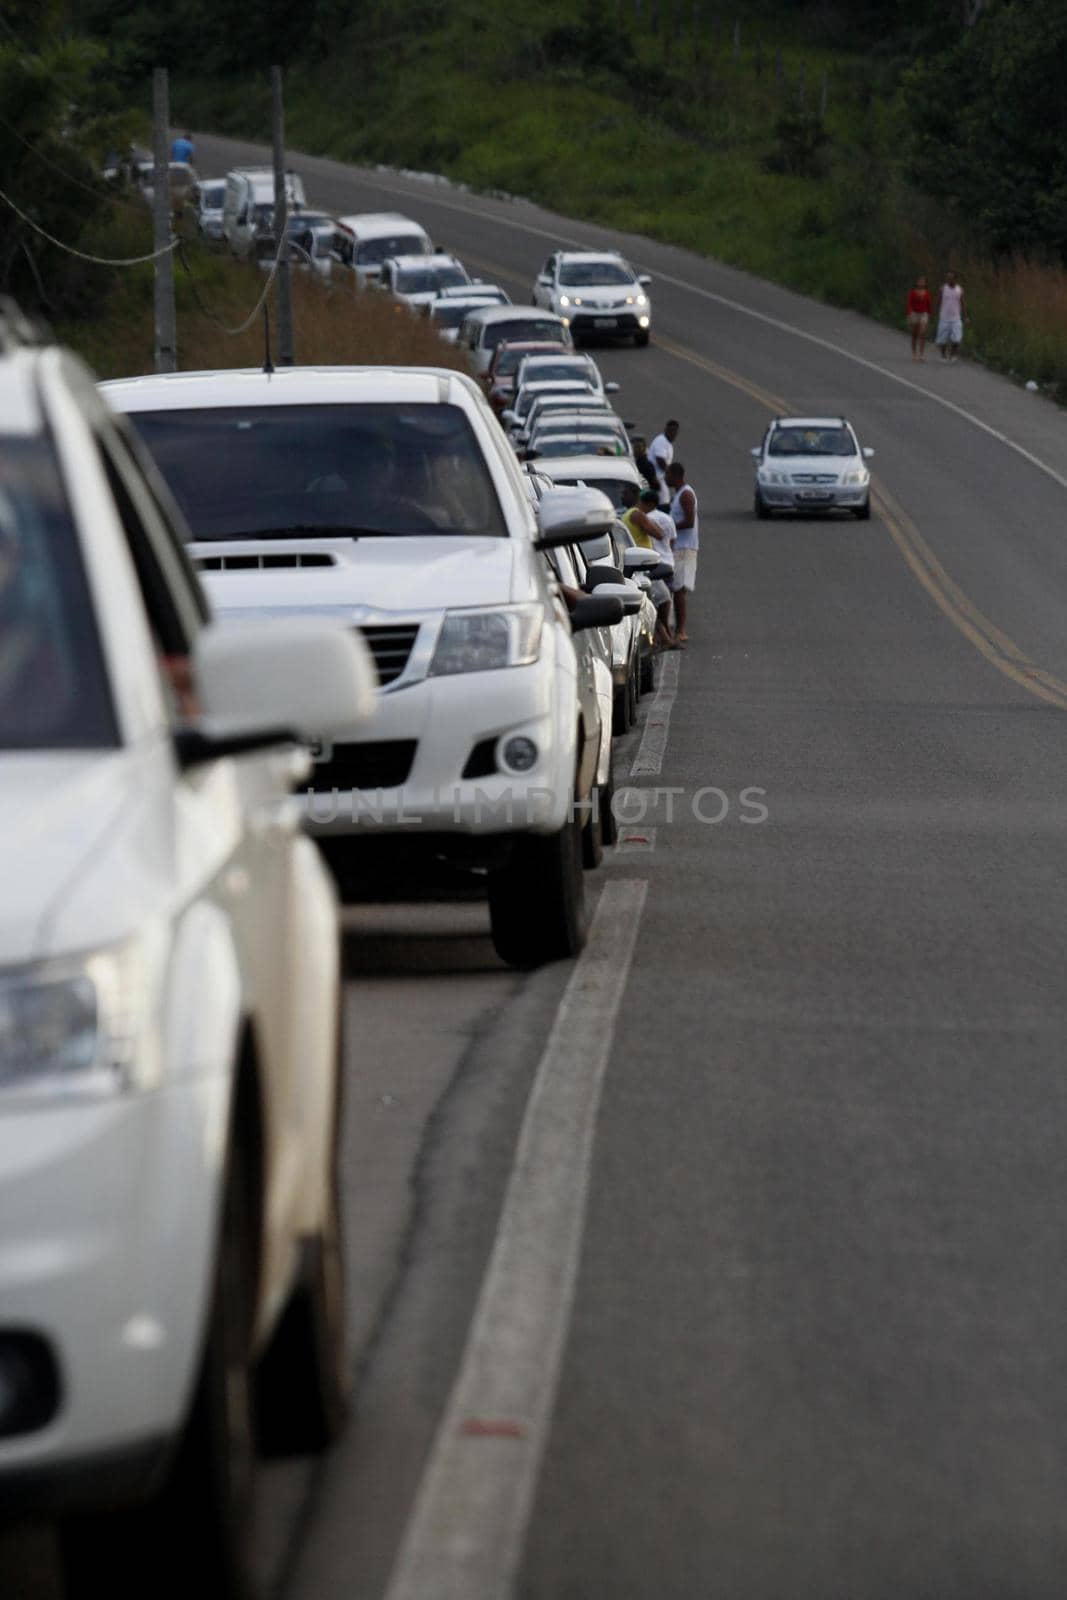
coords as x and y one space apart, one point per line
951 317
685 514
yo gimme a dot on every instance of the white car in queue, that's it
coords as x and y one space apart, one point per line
417 281
390 498
171 1279
567 367
447 311
596 292
812 464
481 331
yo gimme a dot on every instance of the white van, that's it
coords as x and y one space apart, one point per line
374 236
248 208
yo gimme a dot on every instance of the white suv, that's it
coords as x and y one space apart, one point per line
390 498
596 291
169 1000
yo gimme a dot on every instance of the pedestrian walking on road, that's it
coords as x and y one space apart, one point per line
685 514
951 317
919 308
662 452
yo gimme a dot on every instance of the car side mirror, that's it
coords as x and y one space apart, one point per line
572 515
600 574
663 571
261 682
544 280
595 611
509 417
868 453
639 559
644 280
611 388
755 452
629 594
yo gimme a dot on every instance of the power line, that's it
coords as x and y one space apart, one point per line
224 327
97 193
99 261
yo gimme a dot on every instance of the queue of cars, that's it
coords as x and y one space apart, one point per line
245 612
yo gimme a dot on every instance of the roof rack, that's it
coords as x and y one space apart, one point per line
18 330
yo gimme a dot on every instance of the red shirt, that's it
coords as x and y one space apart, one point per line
919 302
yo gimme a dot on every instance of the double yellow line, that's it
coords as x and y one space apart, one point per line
989 640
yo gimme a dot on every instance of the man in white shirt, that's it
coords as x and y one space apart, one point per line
661 451
686 518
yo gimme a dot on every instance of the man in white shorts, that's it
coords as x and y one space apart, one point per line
951 316
685 515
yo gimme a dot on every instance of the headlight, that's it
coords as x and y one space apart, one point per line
76 1027
642 299
564 299
860 475
485 640
765 475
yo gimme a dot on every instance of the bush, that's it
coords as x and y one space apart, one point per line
801 144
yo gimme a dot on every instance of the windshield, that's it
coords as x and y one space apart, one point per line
811 442
527 396
523 328
542 369
583 274
591 427
53 690
579 445
372 252
322 470
509 360
612 487
427 280
212 196
450 313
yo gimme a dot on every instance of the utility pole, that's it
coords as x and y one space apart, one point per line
281 214
166 335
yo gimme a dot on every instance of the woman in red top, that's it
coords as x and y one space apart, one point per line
919 308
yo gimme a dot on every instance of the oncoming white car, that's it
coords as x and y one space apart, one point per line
812 464
170 1266
390 498
596 292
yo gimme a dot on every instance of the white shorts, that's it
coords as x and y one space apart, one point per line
685 569
949 331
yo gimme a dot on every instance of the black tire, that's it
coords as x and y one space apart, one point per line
759 506
593 834
304 1380
194 1535
641 339
537 901
648 673
620 711
609 827
863 512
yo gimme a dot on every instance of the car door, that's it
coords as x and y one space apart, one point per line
235 827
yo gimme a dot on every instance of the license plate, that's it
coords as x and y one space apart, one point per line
813 494
605 322
320 750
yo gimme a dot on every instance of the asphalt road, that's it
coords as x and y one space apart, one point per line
816 1347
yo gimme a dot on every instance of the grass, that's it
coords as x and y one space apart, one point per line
334 323
672 135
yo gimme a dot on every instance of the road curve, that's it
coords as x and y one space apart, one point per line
816 1341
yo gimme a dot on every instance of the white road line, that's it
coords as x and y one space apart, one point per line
465 1537
653 747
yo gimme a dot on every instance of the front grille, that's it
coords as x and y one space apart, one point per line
381 764
391 648
815 477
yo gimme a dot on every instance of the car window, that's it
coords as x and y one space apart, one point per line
54 692
372 252
531 327
582 274
811 442
300 471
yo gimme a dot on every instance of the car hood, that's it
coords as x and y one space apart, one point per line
405 574
63 816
